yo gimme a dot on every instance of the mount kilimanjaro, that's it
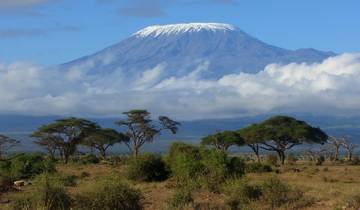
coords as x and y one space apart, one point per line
181 48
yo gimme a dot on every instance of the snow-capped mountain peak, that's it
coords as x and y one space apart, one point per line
179 49
158 30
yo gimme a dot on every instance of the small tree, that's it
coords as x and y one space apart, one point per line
350 147
281 133
140 129
64 135
252 137
6 143
336 143
102 139
223 140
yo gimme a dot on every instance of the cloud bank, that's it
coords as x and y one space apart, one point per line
330 87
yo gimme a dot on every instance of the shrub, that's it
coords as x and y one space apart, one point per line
276 193
257 168
50 194
180 199
239 193
109 194
201 165
272 159
147 167
184 161
215 168
237 166
26 166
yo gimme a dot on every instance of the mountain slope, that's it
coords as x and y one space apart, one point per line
181 48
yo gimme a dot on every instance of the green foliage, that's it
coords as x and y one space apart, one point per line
281 133
102 139
209 167
181 198
272 159
236 165
26 166
109 193
257 168
223 140
239 193
49 194
64 135
276 193
141 129
147 167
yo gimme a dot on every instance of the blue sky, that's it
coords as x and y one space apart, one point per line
56 31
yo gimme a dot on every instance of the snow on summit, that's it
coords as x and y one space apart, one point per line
174 29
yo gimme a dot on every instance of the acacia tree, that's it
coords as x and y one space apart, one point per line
252 136
64 135
223 140
336 143
350 147
140 129
103 138
6 143
281 133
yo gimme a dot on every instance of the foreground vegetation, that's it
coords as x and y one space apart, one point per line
188 176
206 179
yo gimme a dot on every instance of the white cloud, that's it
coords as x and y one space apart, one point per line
331 87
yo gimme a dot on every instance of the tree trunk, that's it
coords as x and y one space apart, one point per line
136 151
255 149
350 155
102 153
281 155
336 154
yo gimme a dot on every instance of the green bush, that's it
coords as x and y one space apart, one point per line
109 194
237 166
277 193
209 167
26 166
49 193
147 167
180 199
257 168
185 162
239 193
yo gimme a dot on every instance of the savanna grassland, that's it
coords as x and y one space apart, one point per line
204 176
329 186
